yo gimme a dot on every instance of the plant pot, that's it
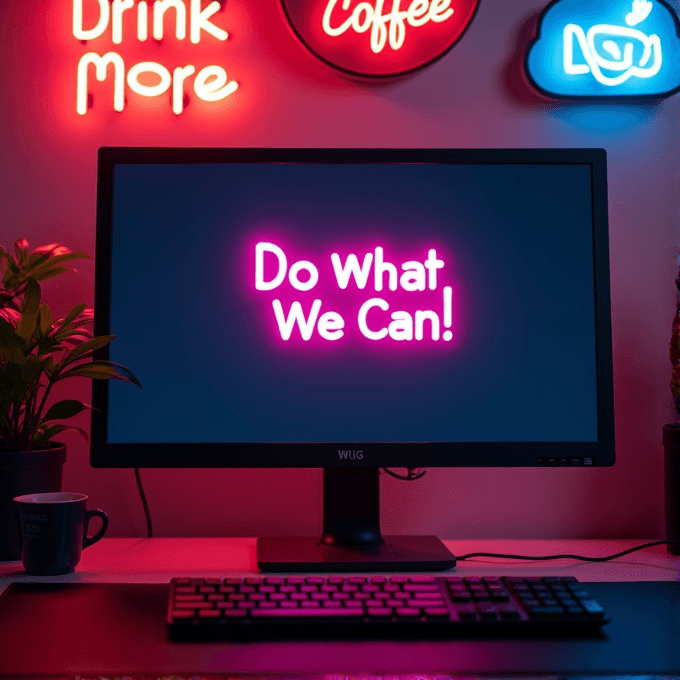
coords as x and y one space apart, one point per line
23 473
671 450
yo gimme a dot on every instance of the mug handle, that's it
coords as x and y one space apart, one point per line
89 514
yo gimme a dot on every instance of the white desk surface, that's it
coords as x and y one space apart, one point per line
136 560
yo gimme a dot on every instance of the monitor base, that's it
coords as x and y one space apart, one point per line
397 553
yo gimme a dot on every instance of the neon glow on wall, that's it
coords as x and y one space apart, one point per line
381 38
375 317
606 49
192 20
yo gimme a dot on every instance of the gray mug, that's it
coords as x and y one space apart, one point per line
53 531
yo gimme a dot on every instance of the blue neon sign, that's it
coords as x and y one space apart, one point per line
606 49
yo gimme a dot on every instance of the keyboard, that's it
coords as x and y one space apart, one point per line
380 607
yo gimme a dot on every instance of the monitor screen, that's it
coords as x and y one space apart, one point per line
320 307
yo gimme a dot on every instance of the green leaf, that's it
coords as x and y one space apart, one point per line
101 370
29 311
51 262
47 431
64 409
78 309
96 370
125 373
10 343
43 276
94 343
31 369
21 250
45 319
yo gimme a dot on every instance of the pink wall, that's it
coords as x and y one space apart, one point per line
474 97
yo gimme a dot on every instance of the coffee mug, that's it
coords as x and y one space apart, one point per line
53 531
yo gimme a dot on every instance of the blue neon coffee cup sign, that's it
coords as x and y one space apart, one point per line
606 49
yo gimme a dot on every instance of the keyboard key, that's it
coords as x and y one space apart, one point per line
306 613
592 607
194 605
407 611
235 613
379 612
546 612
436 611
209 614
183 614
575 611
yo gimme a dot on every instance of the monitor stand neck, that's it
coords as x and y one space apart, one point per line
351 539
351 507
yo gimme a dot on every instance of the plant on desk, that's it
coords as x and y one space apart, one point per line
671 440
36 352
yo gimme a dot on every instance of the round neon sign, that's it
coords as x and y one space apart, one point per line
379 38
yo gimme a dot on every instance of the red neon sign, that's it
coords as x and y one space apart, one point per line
379 38
193 19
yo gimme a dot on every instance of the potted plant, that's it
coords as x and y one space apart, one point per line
37 352
671 441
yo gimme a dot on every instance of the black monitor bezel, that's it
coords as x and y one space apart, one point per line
300 455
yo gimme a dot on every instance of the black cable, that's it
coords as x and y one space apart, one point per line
411 474
149 529
568 557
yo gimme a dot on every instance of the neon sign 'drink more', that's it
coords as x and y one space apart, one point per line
193 21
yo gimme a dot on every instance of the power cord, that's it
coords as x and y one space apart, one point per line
567 556
411 474
149 529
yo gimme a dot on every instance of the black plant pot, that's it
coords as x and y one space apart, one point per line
23 473
671 450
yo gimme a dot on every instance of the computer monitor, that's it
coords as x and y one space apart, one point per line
354 309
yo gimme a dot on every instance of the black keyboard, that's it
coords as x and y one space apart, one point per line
342 607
